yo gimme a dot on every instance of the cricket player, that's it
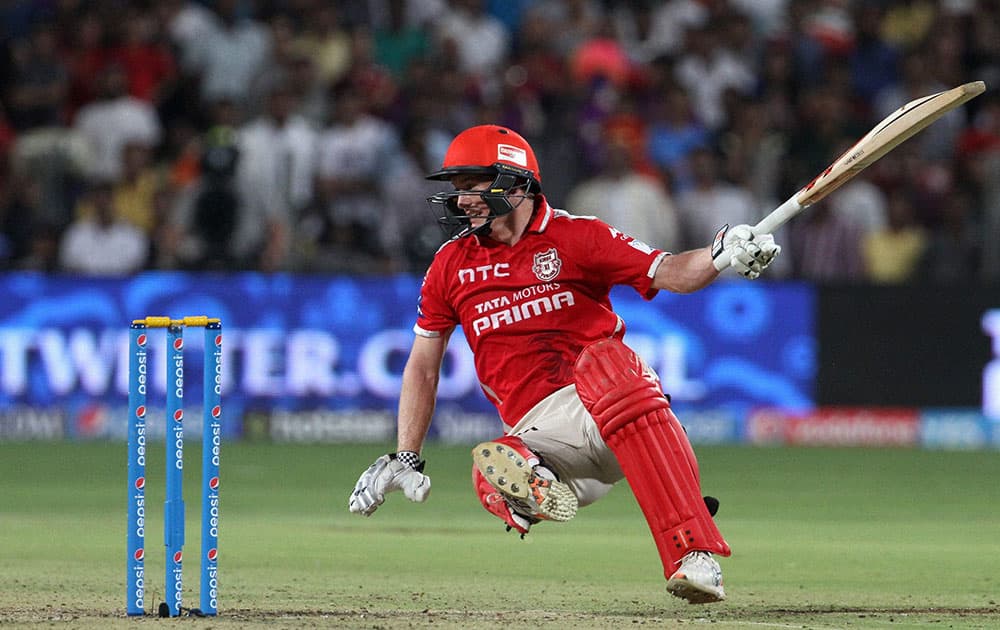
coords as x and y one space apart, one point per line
529 286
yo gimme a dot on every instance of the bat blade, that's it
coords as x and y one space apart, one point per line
896 128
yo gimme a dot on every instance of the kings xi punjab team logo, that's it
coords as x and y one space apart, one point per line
547 264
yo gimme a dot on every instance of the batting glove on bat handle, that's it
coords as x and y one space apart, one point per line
747 252
720 257
390 472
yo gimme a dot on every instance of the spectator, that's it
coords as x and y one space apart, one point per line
112 122
373 81
274 175
953 253
707 70
981 160
737 36
601 57
86 55
135 193
674 133
825 246
978 173
777 85
824 124
828 23
8 137
863 203
398 43
767 17
326 41
20 213
991 217
711 202
43 249
983 55
229 56
353 153
635 203
148 63
475 39
874 62
937 142
544 70
416 13
205 227
892 253
510 12
906 24
405 232
650 30
103 244
311 95
187 24
281 33
753 152
56 158
39 81
576 21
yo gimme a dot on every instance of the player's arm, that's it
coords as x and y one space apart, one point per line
403 470
685 272
742 247
419 391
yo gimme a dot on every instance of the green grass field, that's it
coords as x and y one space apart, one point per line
821 539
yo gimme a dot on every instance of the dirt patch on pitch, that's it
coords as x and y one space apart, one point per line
718 617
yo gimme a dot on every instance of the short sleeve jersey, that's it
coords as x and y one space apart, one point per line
528 311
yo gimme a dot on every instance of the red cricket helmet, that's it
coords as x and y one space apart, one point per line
492 151
487 149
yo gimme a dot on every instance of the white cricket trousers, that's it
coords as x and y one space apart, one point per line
563 433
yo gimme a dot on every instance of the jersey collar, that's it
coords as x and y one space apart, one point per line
542 217
539 221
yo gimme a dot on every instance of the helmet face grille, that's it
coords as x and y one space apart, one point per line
497 198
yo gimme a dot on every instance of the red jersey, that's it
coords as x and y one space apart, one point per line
529 310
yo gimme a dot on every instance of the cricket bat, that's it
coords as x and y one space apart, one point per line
895 129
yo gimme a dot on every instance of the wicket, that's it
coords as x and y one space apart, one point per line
173 508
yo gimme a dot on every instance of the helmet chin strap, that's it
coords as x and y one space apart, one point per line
482 230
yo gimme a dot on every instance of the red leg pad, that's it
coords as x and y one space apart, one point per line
636 422
490 498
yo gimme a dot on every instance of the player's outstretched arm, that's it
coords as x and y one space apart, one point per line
419 390
739 247
403 470
686 272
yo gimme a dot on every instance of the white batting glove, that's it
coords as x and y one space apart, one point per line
389 473
743 250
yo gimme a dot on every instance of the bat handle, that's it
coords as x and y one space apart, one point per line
779 216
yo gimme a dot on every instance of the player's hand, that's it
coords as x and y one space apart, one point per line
743 250
391 472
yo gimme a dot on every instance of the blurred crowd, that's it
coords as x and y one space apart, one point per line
294 135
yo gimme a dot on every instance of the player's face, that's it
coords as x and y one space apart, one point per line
472 204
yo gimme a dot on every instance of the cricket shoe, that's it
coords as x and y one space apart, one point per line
698 579
529 488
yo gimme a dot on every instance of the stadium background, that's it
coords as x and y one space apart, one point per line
262 162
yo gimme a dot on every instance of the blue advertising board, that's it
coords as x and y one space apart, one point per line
321 357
